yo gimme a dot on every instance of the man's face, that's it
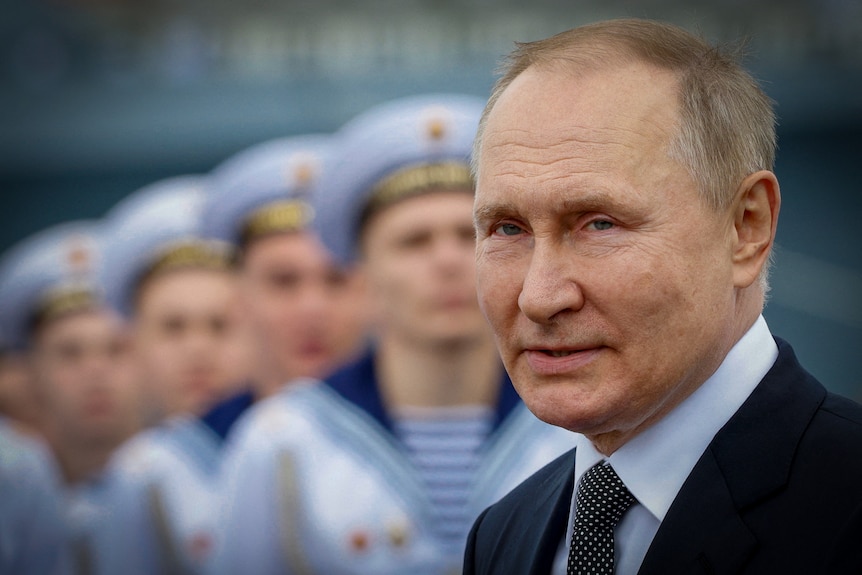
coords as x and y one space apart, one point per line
307 314
189 339
85 378
419 260
607 281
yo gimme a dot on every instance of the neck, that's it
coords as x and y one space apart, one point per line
265 386
419 375
78 463
269 378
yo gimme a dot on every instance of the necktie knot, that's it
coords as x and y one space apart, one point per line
602 498
601 501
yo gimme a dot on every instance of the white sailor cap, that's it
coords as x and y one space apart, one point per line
155 229
49 274
266 188
397 149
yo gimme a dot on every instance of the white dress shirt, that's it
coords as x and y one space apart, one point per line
656 462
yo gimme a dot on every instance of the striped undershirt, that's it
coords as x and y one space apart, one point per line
444 444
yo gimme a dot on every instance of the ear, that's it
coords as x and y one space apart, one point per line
755 218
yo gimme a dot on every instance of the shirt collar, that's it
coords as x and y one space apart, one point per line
358 384
656 462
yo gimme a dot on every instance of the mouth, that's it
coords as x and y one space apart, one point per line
556 353
199 376
99 406
548 361
560 350
313 348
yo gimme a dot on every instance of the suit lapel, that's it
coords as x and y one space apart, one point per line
702 532
551 520
749 459
526 538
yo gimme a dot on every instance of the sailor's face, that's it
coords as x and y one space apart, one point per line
307 314
190 339
85 377
418 255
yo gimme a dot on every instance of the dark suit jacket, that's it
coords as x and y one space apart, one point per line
778 490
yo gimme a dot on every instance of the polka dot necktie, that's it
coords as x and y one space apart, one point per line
602 499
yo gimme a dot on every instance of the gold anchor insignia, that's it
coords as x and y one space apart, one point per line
79 257
435 129
303 174
434 124
303 169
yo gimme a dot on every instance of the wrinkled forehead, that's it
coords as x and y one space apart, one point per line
548 104
548 127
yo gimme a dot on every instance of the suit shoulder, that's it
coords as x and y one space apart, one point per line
844 410
836 429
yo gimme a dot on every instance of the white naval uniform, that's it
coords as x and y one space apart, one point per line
164 481
32 538
89 511
314 484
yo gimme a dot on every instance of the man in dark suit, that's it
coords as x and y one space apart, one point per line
625 213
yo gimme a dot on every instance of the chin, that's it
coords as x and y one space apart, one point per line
314 369
551 415
557 406
105 433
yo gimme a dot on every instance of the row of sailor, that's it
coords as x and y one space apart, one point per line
276 367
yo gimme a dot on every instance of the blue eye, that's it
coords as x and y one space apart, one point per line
602 225
508 229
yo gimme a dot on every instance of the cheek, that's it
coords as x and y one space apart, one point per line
644 299
126 374
649 314
260 304
66 375
227 343
278 326
269 311
387 291
497 294
347 314
66 387
645 286
168 357
155 345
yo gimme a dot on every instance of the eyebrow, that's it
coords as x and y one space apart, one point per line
493 212
593 200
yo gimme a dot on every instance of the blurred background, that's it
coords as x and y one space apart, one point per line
100 97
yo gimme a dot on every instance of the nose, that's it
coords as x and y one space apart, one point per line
199 341
549 288
314 302
98 366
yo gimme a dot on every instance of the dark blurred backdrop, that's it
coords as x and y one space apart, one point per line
100 97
